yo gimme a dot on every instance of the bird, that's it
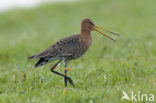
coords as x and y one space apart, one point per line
69 48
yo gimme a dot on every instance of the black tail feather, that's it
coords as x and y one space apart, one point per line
40 62
43 61
31 57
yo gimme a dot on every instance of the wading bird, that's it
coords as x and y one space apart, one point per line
69 48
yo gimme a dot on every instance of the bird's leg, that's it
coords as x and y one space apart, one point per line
65 73
53 67
67 78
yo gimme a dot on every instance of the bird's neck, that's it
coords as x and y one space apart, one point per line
86 35
86 40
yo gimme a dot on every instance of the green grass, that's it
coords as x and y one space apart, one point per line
101 75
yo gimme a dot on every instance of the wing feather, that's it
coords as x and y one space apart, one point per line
65 47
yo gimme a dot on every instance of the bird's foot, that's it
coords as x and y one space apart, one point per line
70 81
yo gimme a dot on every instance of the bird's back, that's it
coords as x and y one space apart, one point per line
67 48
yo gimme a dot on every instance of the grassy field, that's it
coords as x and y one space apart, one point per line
101 75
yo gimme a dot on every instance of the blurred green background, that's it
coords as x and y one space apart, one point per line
102 74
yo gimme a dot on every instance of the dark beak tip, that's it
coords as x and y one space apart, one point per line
115 34
118 34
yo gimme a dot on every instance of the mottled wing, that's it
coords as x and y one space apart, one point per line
65 47
69 47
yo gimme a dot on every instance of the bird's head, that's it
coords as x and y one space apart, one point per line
87 26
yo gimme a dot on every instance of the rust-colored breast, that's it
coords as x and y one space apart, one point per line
85 43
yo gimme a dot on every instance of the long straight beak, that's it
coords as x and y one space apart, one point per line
96 29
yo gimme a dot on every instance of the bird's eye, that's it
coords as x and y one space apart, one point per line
90 23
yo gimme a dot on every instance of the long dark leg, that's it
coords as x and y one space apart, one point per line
66 77
65 73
